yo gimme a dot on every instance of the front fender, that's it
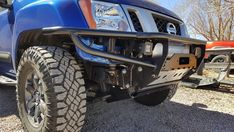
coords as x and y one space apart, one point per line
44 13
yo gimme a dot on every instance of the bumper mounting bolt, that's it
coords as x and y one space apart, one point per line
127 86
140 56
124 71
140 69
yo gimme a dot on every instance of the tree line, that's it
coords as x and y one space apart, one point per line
211 19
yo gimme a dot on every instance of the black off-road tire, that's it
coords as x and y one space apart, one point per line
158 97
224 59
217 58
65 94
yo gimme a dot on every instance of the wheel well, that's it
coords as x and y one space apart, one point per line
212 56
35 38
232 58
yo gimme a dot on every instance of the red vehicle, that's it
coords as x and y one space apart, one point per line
219 44
223 67
220 58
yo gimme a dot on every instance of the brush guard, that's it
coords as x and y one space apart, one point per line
155 65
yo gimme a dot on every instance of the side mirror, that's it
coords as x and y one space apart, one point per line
4 4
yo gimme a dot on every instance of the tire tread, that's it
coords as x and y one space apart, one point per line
65 86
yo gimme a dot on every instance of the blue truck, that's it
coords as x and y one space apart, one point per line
62 53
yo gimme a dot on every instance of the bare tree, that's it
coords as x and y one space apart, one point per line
212 19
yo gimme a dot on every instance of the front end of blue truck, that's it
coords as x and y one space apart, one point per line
61 53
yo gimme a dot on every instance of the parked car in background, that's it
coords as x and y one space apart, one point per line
220 44
216 45
220 58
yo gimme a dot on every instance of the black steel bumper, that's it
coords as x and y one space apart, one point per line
76 34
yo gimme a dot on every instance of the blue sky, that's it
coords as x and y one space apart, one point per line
169 4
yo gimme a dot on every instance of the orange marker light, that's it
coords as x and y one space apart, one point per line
87 11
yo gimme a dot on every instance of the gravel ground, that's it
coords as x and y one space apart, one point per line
189 110
9 120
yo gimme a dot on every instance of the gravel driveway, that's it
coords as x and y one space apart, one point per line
189 110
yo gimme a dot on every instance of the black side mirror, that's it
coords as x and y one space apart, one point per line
4 4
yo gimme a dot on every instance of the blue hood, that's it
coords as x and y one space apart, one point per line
147 5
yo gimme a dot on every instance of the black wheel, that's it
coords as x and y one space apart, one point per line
157 98
220 59
50 91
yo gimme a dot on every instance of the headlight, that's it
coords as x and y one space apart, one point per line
103 15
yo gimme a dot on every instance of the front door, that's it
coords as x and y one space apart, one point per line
6 26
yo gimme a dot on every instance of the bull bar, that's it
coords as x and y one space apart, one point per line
76 34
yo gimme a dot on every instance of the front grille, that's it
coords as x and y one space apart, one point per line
162 25
150 21
135 21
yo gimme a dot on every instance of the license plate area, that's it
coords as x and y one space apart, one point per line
180 61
